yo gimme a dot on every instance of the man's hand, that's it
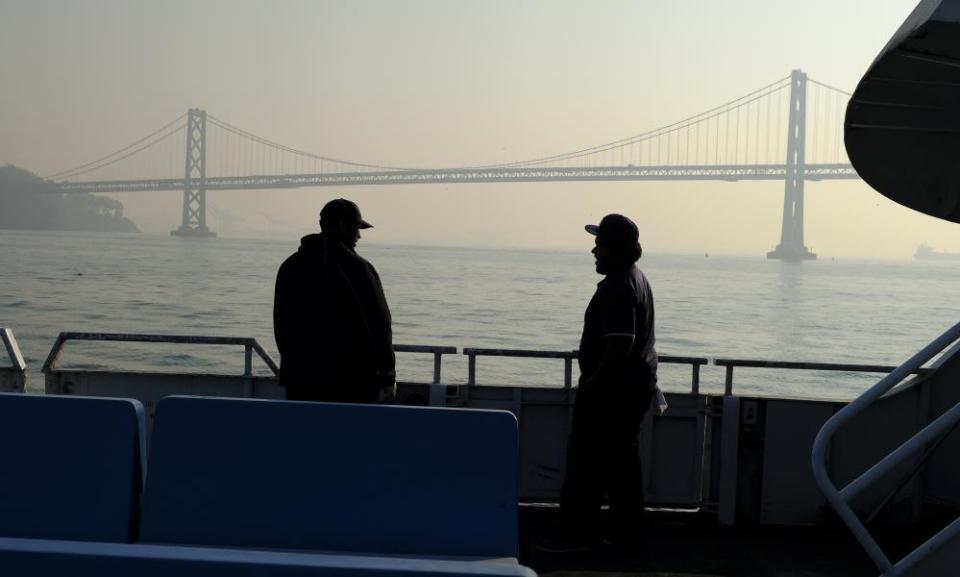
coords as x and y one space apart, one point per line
387 393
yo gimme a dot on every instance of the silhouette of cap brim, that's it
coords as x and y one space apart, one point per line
343 210
615 229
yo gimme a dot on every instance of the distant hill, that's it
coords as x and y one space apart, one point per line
25 204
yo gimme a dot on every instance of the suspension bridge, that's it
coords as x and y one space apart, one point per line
790 130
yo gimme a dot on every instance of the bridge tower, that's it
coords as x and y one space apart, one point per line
791 245
194 222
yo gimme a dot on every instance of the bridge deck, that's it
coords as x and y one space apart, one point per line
728 173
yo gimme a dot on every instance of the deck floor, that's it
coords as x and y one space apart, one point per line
685 544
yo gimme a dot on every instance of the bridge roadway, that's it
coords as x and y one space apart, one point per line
728 173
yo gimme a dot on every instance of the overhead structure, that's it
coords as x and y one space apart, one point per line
902 128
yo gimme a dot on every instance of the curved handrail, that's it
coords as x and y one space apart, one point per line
839 498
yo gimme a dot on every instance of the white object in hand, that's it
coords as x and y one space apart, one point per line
661 403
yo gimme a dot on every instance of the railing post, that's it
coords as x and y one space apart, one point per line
436 366
248 370
567 372
695 379
728 385
471 368
248 359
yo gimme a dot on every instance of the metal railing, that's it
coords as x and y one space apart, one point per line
793 365
17 364
840 498
568 356
436 351
250 345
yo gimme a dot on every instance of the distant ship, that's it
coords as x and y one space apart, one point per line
924 252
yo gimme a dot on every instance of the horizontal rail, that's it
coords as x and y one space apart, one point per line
728 173
537 354
568 356
818 456
443 350
250 345
796 365
481 352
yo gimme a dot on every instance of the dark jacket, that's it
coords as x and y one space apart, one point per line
332 324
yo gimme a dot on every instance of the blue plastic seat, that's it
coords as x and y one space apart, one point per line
332 477
70 467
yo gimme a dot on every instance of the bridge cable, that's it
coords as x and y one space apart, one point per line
122 150
827 86
280 147
726 107
128 154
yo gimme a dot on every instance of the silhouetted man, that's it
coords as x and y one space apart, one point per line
330 317
618 368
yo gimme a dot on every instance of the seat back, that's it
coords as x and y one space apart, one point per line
70 467
335 477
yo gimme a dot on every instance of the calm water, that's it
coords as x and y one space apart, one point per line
729 307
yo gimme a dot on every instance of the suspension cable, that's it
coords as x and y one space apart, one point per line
276 145
827 86
680 124
77 169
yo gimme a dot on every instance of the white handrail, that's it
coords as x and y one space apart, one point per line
840 498
13 351
16 358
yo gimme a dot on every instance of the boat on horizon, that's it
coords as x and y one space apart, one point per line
926 252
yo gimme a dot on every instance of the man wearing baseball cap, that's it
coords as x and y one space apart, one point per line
330 316
618 379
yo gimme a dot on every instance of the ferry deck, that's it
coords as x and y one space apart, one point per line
728 478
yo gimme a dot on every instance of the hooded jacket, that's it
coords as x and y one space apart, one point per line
332 324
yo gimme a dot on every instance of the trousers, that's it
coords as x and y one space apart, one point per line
603 461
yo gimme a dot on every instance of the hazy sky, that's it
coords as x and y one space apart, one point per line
449 83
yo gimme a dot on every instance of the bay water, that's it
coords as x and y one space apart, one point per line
741 307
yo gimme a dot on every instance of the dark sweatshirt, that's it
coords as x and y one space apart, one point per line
332 324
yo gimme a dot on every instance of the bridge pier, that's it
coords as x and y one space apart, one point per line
791 245
194 218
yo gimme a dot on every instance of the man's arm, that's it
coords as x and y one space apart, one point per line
616 349
619 330
280 293
382 334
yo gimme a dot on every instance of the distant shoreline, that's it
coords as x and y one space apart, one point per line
28 203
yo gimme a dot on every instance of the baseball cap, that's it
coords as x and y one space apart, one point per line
342 210
615 229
